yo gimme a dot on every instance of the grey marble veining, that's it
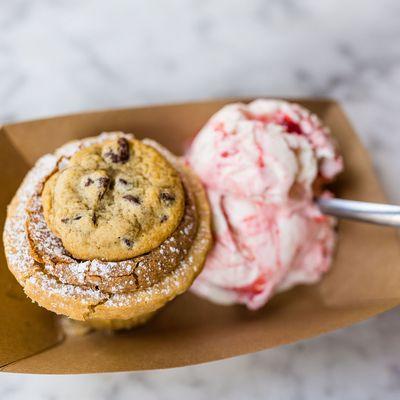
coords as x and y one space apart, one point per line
68 55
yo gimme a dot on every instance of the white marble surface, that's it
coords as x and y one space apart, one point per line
63 56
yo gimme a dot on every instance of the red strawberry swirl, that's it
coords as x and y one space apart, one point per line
260 164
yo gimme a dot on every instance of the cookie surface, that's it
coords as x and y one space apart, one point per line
114 201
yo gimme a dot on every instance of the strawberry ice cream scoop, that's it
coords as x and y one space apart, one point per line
259 163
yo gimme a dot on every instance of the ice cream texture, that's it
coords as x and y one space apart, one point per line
261 164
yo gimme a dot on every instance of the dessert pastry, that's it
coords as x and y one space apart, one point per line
262 163
107 230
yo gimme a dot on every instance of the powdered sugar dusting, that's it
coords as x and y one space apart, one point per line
42 239
16 240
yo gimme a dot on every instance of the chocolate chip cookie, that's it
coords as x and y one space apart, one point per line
115 200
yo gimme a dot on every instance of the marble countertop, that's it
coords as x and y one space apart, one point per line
68 55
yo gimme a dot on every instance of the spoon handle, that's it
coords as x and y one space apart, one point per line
375 213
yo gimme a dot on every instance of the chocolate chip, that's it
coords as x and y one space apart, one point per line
122 155
66 220
123 149
167 198
132 199
128 243
104 181
89 181
163 218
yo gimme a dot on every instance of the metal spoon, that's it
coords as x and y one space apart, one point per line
375 213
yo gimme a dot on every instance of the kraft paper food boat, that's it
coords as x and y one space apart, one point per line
364 280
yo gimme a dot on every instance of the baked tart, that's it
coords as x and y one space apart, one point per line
107 230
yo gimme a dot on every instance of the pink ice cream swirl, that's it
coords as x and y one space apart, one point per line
260 164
